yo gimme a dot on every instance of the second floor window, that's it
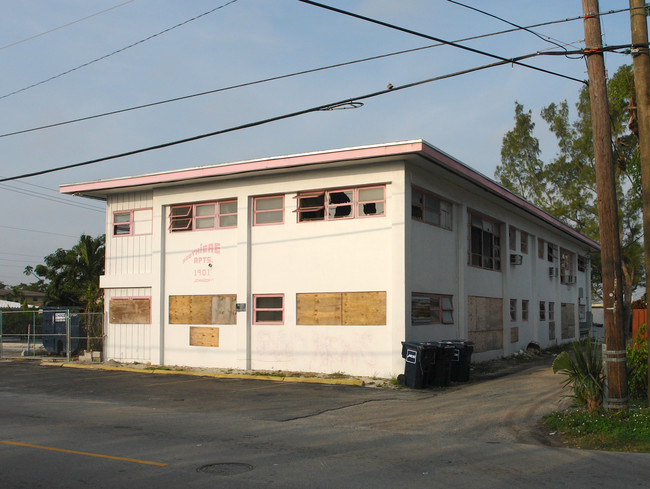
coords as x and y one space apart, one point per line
203 216
428 208
485 243
350 203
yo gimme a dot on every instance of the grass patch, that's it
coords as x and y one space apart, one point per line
621 431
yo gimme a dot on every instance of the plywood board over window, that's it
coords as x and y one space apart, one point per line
202 309
485 323
317 309
202 336
129 311
341 308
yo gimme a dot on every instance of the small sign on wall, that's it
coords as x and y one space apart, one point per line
240 307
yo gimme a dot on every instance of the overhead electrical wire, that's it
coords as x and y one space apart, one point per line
328 106
544 38
65 25
57 200
37 231
273 78
437 39
115 52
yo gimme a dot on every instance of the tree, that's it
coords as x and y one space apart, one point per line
566 186
73 275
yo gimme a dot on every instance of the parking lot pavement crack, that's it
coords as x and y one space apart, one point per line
339 408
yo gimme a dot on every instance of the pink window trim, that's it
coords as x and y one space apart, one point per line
256 309
442 309
354 211
426 194
191 215
256 211
471 213
225 214
328 206
360 202
130 223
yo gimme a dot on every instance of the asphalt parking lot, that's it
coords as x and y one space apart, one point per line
70 428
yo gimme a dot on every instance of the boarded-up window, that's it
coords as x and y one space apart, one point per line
202 309
514 335
341 308
204 336
129 311
485 323
568 321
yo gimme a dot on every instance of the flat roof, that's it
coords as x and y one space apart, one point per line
100 189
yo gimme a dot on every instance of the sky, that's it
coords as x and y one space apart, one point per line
69 59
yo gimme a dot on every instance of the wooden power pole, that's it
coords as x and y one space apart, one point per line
641 61
616 396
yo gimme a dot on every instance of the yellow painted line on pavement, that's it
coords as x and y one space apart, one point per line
88 454
275 378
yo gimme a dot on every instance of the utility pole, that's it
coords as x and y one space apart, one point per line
641 62
616 396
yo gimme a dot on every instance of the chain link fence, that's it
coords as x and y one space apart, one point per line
53 332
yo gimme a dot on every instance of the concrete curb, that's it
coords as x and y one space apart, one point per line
274 378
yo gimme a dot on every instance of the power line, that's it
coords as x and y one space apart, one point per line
437 39
543 38
20 254
37 231
327 106
115 52
65 25
274 78
52 199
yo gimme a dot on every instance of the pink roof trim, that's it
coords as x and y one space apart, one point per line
363 152
247 166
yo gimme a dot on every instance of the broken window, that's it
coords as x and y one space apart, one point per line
341 204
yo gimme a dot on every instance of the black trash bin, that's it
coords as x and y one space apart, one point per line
419 359
460 364
439 373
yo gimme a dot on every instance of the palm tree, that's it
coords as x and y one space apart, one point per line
73 275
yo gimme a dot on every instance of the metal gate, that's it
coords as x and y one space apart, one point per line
60 332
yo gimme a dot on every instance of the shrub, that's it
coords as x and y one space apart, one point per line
637 364
583 367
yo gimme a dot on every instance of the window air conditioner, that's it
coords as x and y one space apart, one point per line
516 259
552 272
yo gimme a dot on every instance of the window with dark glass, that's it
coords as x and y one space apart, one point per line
485 243
428 208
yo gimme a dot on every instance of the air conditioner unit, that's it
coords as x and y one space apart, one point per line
571 279
552 272
516 259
